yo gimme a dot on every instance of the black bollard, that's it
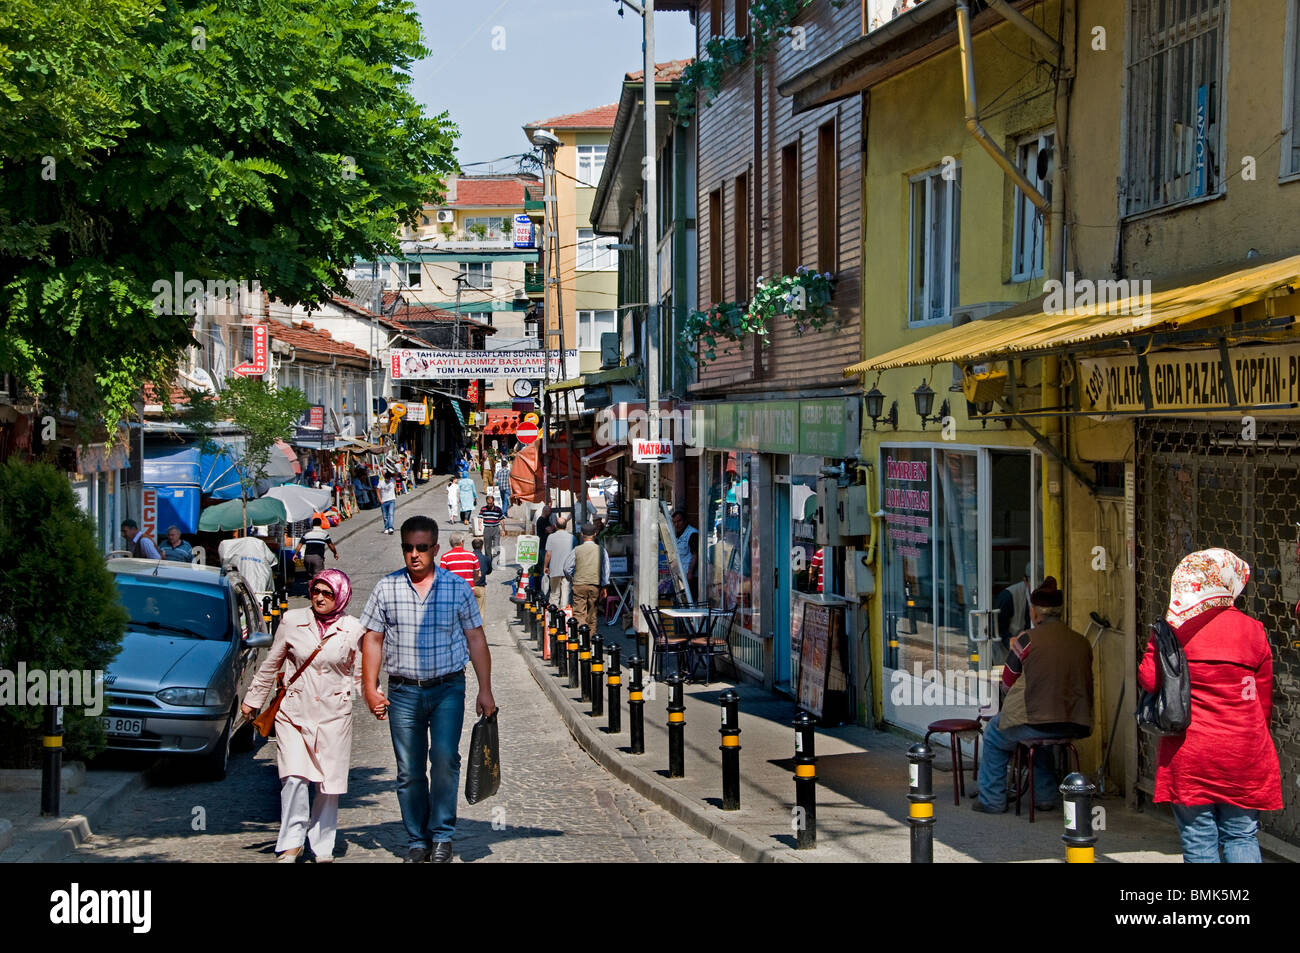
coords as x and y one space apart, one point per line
584 661
636 706
920 812
805 781
548 643
284 600
730 749
553 639
275 612
52 759
676 727
562 648
266 612
573 653
614 682
597 676
1079 837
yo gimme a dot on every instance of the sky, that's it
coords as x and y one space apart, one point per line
559 56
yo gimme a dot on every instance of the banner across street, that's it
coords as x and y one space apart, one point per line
410 364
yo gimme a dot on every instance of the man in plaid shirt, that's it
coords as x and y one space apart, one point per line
503 484
424 625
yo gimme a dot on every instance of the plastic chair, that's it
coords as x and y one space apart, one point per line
664 644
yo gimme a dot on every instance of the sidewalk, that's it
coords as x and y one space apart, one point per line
862 778
26 837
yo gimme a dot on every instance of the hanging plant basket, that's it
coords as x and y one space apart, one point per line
726 321
804 298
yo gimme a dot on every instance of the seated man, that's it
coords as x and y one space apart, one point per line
1049 680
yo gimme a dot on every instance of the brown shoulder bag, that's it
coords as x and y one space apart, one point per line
266 720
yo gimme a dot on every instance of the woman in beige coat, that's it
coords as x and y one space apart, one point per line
313 728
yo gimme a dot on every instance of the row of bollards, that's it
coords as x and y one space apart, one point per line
1077 793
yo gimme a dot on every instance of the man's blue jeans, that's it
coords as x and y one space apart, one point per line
1207 827
505 497
426 723
388 506
999 746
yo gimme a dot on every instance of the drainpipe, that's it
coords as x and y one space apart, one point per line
972 112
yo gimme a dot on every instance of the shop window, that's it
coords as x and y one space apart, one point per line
735 569
1175 113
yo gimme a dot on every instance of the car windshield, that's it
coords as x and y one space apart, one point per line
174 608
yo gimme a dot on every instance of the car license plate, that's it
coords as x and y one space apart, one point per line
123 726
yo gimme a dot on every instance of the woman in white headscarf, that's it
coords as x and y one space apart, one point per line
1223 770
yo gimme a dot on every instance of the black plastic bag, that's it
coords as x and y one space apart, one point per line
484 774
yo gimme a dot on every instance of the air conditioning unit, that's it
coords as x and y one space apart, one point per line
966 313
446 216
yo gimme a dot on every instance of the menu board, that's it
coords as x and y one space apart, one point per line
814 651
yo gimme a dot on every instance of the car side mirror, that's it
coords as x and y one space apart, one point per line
258 640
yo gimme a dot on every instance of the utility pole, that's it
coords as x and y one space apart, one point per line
548 143
647 511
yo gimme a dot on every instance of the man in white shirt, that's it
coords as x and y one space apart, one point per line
558 546
387 500
141 546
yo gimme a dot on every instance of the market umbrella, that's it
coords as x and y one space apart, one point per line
300 502
230 516
283 463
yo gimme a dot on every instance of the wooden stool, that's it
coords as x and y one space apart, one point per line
1032 745
954 727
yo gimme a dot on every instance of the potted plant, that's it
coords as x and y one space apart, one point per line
804 296
725 321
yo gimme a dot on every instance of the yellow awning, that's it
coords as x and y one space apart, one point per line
624 373
1030 327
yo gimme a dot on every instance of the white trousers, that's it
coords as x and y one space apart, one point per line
559 592
298 824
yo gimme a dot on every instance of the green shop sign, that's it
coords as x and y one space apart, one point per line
821 427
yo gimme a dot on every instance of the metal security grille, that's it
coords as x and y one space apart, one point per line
1199 485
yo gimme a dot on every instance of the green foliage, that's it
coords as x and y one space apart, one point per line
773 297
264 413
255 140
59 606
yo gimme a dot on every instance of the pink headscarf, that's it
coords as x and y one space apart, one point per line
1204 580
341 586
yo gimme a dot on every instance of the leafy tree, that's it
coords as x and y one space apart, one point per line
59 606
151 143
264 413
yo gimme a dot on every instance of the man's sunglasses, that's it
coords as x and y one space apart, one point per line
322 592
418 547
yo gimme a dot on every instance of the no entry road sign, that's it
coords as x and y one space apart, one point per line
526 433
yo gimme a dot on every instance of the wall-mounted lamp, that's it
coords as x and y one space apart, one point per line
924 398
875 404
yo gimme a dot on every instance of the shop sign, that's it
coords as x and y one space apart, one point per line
1192 380
821 427
652 451
526 550
315 418
258 366
523 232
411 364
417 412
149 512
907 504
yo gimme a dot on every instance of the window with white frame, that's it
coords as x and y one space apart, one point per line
483 317
934 240
477 274
1175 102
591 325
1030 222
591 162
490 228
405 274
594 251
1291 94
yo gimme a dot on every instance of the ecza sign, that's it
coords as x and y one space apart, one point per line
652 451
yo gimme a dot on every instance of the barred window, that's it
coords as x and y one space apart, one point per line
1175 106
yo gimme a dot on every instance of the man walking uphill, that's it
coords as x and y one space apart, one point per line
423 625
587 569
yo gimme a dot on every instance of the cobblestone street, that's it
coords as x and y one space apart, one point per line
555 803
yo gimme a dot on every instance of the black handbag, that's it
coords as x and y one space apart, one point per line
1167 710
483 777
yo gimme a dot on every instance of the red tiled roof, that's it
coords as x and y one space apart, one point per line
366 312
496 192
418 311
305 336
664 72
601 117
176 395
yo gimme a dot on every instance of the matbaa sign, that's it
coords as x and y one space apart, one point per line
652 451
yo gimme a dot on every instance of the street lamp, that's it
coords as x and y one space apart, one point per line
924 398
875 403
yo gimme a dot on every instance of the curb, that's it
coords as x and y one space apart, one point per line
77 828
698 817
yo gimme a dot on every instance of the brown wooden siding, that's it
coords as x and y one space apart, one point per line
744 133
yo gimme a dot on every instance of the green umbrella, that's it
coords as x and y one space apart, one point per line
230 515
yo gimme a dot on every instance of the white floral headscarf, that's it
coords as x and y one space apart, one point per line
1204 580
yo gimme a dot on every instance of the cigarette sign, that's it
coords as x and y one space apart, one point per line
652 451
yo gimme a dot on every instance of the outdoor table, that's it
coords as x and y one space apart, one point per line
697 620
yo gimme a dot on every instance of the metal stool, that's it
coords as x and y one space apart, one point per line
1032 745
955 727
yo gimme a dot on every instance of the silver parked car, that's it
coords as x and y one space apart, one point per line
194 642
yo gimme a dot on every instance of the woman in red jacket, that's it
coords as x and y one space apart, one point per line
1223 770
